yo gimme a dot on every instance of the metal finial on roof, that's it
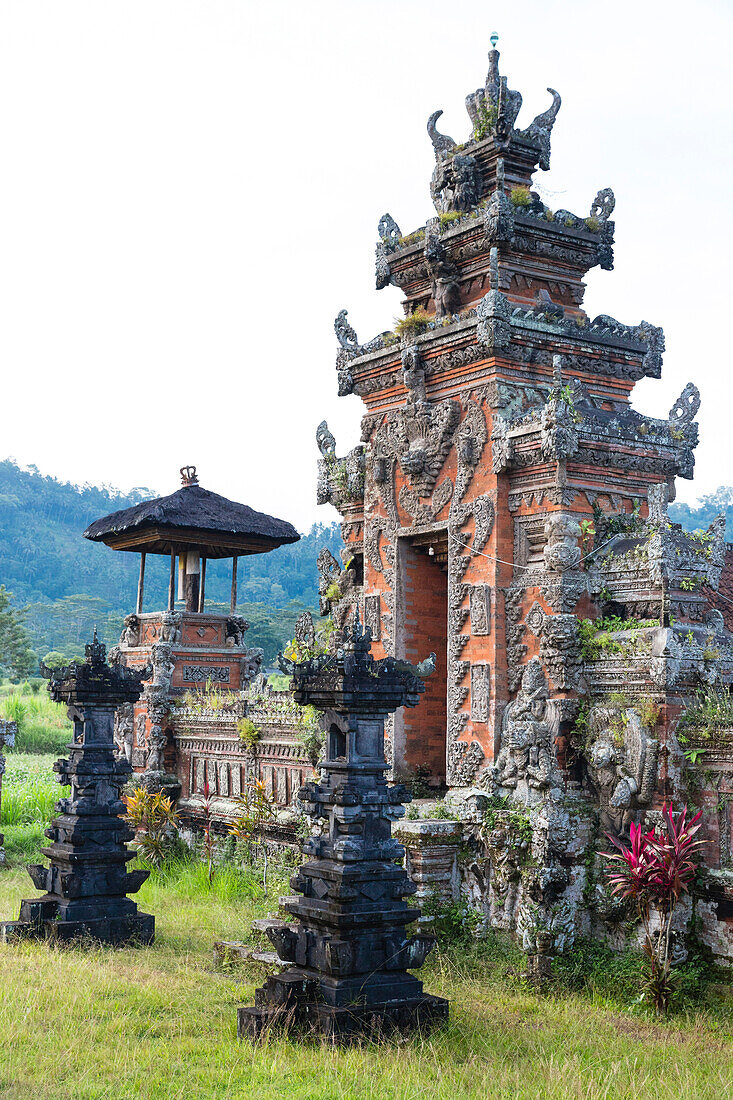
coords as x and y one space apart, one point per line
188 475
493 40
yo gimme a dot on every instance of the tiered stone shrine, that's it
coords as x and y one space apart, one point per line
504 490
87 882
348 950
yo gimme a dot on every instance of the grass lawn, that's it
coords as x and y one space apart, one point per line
90 1022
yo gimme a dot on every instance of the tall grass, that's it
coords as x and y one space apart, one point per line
30 791
42 724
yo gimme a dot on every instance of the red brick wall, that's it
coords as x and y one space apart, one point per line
425 630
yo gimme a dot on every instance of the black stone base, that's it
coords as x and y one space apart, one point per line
131 929
344 1025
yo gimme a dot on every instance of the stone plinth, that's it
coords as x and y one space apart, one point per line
431 857
87 882
348 953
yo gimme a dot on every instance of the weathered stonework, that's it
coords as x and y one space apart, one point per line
87 881
347 954
510 493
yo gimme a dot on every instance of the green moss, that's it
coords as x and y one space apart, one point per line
415 323
450 217
520 196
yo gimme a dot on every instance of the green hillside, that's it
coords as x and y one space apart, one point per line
67 585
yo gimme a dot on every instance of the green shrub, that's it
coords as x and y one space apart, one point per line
248 732
451 922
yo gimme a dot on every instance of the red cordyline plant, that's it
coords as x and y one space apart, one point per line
654 871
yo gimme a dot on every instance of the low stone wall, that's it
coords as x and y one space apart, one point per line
209 752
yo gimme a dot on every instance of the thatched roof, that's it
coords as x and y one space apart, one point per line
192 518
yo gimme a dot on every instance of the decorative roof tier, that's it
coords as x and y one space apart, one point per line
194 517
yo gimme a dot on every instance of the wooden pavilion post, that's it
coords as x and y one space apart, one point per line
140 585
202 590
233 603
172 581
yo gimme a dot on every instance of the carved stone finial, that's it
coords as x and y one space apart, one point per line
603 205
188 476
325 440
557 371
442 144
345 334
687 405
540 128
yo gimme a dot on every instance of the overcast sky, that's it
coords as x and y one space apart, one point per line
190 192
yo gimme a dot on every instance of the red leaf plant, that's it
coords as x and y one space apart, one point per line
654 870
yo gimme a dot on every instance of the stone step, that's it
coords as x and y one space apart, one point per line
264 923
231 953
267 958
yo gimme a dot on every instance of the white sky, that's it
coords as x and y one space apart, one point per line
190 193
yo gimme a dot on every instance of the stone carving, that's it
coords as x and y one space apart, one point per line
515 648
455 182
124 732
603 205
305 633
540 128
390 236
499 217
558 429
389 232
250 665
622 759
345 334
493 109
528 729
506 851
561 550
483 513
470 440
442 144
156 749
325 440
373 615
560 651
494 320
329 572
443 273
424 512
235 629
686 407
480 692
170 627
463 762
535 619
130 635
480 609
419 436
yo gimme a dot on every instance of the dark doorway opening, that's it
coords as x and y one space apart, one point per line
423 564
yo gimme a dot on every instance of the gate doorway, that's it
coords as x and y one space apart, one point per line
420 735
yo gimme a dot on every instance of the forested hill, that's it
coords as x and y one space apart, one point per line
66 583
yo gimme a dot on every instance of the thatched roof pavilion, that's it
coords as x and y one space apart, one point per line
192 524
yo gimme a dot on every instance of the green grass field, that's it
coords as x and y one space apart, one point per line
94 1023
